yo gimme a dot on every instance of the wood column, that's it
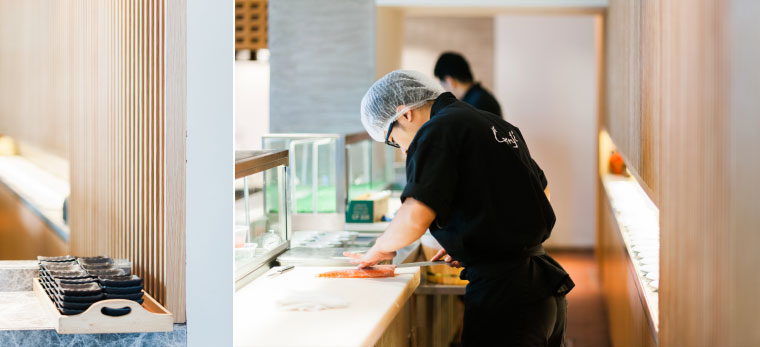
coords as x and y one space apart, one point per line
103 84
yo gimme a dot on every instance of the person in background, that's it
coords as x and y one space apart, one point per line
472 181
455 76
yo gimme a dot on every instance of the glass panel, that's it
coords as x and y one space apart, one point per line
359 161
313 171
327 200
259 225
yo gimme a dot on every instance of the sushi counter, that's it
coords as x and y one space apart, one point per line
297 308
28 317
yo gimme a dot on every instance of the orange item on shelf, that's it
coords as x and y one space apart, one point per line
617 166
370 272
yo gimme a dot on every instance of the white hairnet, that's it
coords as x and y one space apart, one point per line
401 87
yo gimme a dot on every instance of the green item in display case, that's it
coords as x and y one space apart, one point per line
368 208
360 211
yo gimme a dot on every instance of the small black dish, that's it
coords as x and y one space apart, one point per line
85 289
43 263
65 258
71 266
70 298
68 311
99 266
51 294
47 283
109 272
123 290
120 281
58 281
67 274
75 305
134 297
94 260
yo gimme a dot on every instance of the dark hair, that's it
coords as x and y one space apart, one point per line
453 65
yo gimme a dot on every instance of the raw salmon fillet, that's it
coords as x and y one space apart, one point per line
370 272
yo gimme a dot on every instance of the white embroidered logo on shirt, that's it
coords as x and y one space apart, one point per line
511 140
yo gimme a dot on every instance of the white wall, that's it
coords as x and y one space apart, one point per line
546 82
210 169
425 38
251 103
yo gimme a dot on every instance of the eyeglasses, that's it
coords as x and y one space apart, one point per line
388 136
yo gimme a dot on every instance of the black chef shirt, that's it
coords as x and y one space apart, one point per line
475 171
482 100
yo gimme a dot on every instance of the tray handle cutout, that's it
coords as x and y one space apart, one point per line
114 308
116 312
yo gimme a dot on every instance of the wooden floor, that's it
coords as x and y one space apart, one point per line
587 318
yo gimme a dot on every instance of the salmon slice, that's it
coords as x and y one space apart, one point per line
370 272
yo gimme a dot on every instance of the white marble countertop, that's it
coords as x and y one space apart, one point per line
373 304
23 311
19 264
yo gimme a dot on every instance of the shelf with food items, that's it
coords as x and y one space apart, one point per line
636 216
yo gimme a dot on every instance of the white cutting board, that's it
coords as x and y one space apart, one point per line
373 304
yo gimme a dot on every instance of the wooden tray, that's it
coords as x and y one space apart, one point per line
148 317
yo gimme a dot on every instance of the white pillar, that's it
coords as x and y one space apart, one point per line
210 172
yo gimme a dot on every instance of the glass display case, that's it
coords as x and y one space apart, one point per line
317 179
369 166
261 209
327 170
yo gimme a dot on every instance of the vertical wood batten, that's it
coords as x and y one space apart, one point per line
175 84
115 109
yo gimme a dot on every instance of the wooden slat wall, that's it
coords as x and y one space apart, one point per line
632 108
103 76
34 83
175 84
696 234
697 147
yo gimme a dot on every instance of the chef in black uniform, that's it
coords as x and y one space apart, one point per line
454 73
472 182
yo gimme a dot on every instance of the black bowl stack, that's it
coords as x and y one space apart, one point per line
74 284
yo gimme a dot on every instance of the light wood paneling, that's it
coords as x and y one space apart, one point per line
34 87
175 84
696 148
437 319
95 73
399 331
632 82
651 94
696 234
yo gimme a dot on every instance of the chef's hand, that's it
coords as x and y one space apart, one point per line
447 258
372 257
